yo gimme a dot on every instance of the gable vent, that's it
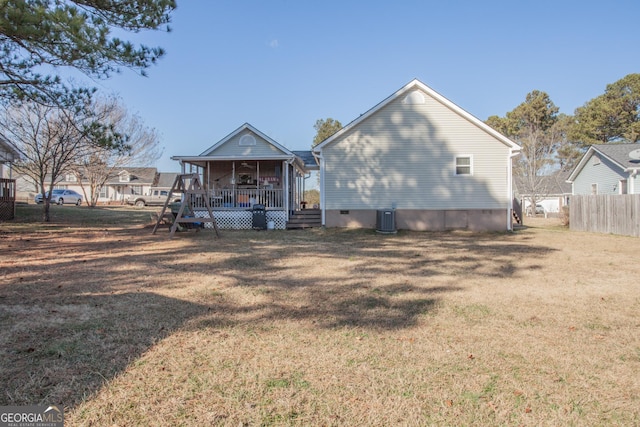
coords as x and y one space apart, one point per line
415 97
247 140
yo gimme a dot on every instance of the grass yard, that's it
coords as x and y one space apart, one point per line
317 327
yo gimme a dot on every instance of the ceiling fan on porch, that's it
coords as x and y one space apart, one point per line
247 165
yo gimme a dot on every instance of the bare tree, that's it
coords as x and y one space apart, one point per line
535 125
100 164
50 141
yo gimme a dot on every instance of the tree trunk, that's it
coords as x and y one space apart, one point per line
46 212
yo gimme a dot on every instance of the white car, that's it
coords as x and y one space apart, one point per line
538 211
61 197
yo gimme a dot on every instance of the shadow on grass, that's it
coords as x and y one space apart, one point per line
64 350
75 316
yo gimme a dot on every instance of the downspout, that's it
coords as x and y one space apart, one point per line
510 189
322 192
304 185
287 179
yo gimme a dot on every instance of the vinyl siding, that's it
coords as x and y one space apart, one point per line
404 156
606 174
232 148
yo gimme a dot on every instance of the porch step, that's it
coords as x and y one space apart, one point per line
307 218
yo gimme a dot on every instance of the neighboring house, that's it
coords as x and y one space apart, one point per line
8 155
128 181
165 180
248 168
607 169
416 152
555 193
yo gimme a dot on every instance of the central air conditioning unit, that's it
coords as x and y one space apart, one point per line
386 221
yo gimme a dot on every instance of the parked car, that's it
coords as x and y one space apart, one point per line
155 197
539 210
61 197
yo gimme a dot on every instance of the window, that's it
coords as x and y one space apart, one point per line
136 189
464 165
623 187
124 177
104 192
70 178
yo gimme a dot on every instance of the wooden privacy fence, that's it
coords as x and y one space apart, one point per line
606 213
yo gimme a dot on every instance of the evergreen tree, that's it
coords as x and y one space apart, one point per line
611 117
37 35
324 129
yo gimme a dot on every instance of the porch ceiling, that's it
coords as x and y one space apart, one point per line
203 160
200 159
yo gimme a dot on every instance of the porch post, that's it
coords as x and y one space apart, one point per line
285 165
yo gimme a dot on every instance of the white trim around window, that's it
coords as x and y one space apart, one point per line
463 165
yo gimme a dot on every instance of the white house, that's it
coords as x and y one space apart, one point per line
418 153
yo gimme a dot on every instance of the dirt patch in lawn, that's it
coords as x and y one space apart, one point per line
321 327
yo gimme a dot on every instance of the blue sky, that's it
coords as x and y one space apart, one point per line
282 64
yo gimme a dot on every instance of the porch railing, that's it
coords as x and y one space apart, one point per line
242 198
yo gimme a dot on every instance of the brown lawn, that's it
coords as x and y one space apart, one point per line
320 327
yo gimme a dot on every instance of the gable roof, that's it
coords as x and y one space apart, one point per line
244 127
618 154
417 84
308 159
554 184
137 176
166 179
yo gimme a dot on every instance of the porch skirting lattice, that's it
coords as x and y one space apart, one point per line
242 220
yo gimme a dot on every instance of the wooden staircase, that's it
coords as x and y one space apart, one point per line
516 218
306 218
517 212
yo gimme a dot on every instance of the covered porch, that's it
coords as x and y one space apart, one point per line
245 170
238 185
235 187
